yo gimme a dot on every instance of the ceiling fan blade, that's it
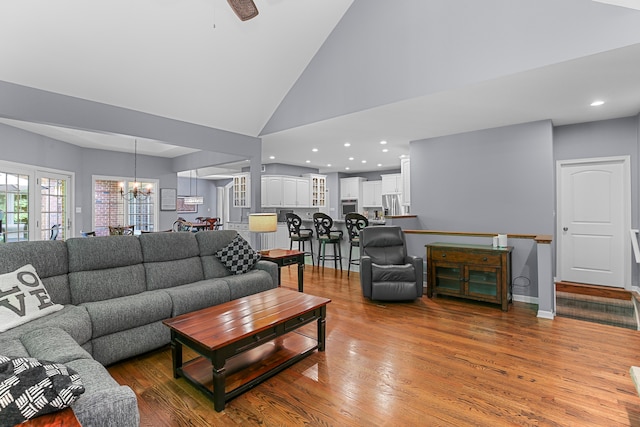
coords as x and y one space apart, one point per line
245 9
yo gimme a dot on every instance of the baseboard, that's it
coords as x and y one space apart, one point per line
526 298
546 314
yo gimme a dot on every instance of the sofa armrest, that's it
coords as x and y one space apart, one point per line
116 406
269 267
365 275
419 269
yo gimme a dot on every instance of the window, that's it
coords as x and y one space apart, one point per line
112 209
14 207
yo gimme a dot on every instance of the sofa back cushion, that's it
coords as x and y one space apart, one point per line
48 257
211 242
102 268
170 259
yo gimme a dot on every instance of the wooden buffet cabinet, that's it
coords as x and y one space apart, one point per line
477 272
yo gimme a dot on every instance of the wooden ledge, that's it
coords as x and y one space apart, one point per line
539 238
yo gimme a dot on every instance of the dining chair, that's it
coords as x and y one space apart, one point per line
354 222
121 231
181 225
325 234
55 230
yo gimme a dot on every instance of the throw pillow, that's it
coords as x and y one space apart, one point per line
23 298
30 387
238 256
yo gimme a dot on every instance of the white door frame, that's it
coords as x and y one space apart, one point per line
626 162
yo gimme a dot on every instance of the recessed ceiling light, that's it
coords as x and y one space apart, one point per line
347 168
364 161
347 144
383 142
385 150
597 103
379 164
402 156
307 161
328 165
315 150
350 158
272 157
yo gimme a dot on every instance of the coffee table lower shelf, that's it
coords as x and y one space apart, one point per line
248 369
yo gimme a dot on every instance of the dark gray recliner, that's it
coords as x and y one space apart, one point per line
386 272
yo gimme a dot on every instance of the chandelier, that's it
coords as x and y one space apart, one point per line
136 193
191 199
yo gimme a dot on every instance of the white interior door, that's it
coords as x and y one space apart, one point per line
594 203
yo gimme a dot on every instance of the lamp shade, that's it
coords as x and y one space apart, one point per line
263 222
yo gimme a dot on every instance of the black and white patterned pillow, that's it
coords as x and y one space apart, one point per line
30 387
238 256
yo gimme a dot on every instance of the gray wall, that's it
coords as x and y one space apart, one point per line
493 181
25 147
607 138
387 51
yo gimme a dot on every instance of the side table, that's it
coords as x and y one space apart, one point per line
284 258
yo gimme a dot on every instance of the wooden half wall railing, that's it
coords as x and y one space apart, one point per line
546 287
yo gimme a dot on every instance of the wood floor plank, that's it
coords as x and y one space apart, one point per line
436 362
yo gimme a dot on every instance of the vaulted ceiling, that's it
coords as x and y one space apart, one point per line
195 61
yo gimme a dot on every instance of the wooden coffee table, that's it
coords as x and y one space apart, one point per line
245 341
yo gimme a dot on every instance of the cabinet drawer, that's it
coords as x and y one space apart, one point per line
255 340
300 320
465 257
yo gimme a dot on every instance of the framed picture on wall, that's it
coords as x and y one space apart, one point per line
183 207
168 199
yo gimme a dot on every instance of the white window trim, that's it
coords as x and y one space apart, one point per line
94 178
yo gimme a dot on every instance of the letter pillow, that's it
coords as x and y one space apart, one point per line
23 298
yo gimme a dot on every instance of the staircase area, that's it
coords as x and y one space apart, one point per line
600 304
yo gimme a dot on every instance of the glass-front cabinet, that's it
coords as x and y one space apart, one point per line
318 190
475 272
241 191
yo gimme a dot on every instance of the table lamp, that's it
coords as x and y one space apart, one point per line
263 223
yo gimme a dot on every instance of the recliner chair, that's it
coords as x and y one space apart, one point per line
387 273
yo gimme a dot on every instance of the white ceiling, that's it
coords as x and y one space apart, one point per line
194 60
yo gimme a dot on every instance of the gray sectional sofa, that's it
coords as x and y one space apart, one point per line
116 291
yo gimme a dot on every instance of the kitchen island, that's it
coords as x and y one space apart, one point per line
338 224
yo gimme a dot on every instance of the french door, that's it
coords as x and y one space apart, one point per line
53 209
34 204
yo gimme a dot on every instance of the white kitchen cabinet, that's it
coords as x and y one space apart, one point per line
241 191
272 191
371 194
351 188
317 190
392 183
295 192
405 171
285 191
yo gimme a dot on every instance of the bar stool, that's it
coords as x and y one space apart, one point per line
325 234
354 222
299 234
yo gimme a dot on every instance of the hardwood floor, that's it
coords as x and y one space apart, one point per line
435 362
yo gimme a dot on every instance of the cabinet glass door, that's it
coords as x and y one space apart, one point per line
482 281
447 278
